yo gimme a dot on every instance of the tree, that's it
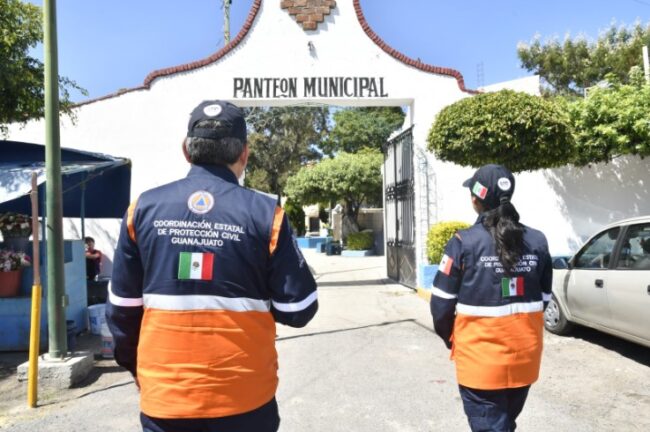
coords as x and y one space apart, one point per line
611 122
21 76
570 66
281 140
357 128
354 179
518 130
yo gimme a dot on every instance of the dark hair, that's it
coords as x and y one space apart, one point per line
508 234
89 239
206 151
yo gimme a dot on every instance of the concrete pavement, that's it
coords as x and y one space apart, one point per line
370 362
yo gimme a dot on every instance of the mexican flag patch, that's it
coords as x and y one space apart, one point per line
479 190
445 264
196 266
512 287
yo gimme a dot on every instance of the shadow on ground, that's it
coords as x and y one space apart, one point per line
630 350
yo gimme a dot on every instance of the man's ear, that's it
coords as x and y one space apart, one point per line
185 153
243 158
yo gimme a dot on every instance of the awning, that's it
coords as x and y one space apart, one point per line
94 185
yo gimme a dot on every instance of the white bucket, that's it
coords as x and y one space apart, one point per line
96 317
107 342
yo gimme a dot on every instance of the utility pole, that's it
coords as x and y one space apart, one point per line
646 64
226 21
56 299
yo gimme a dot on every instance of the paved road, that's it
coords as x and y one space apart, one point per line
369 362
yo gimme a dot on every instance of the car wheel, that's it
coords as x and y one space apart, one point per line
554 319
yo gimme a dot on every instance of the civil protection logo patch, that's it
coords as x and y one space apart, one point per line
200 202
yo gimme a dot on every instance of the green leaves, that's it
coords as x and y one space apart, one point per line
21 76
352 178
520 131
611 122
358 128
570 66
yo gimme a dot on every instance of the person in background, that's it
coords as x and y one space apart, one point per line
203 271
488 300
93 259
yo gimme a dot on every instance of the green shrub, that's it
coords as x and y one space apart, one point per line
521 131
296 216
439 235
363 240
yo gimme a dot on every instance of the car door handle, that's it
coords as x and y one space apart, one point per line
648 289
598 283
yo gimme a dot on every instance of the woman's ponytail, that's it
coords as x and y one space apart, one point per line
508 234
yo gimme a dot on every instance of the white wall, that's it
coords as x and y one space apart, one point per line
148 125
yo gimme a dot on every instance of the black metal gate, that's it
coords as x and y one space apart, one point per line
400 209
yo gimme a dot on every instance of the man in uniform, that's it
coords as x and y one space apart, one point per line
203 270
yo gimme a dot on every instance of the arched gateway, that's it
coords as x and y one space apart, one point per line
296 52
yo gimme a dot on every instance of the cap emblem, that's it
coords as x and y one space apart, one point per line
200 202
504 184
212 110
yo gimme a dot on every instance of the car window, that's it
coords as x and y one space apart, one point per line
635 249
597 253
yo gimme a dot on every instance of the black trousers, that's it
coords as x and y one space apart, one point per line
493 410
264 419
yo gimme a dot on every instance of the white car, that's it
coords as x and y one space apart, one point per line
606 285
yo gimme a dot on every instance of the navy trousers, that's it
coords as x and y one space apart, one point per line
264 419
493 410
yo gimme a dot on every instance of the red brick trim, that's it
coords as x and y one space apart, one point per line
244 31
189 66
404 58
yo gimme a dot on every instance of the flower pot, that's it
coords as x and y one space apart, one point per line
10 283
18 244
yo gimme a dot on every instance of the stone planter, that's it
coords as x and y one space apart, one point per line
10 283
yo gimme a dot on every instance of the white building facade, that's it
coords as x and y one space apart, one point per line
298 52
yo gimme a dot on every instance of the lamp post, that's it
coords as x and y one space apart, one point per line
56 300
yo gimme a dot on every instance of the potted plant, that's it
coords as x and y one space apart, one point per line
16 229
11 269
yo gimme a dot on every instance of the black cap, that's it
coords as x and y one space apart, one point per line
493 185
230 121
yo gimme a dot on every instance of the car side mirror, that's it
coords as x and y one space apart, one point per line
561 263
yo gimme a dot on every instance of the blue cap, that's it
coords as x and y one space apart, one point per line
492 184
229 121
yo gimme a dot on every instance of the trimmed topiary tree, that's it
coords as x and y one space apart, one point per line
518 130
439 235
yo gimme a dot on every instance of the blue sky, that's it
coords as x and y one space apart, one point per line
109 45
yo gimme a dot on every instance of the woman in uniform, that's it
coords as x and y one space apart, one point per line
488 301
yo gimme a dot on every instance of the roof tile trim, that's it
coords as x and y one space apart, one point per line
248 24
405 59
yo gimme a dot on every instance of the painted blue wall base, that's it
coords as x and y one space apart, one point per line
426 273
15 312
357 253
311 242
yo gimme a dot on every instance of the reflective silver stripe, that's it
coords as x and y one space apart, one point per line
442 294
123 301
204 302
546 297
298 306
500 311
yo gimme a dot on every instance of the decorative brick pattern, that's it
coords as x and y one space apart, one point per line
308 13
